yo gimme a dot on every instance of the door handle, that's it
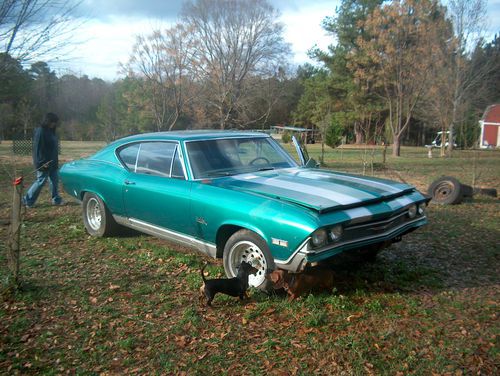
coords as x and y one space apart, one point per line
128 182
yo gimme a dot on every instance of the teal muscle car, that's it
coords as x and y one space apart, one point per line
239 196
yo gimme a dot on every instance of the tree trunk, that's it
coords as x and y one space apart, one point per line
396 146
451 128
358 133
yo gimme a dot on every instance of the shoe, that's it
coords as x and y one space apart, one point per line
25 203
59 203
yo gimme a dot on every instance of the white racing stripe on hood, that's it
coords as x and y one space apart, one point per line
358 215
364 181
310 190
400 202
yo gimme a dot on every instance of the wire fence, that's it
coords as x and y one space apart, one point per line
24 146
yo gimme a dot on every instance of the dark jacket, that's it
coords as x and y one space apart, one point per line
45 147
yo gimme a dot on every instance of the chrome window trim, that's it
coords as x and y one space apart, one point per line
172 161
137 157
140 142
183 164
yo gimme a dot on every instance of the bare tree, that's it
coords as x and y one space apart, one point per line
235 39
261 97
161 60
30 29
468 19
397 59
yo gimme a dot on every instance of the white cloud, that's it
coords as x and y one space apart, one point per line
303 29
103 45
107 41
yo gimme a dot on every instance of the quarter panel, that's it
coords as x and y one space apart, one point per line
102 178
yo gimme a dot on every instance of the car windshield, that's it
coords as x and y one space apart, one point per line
225 157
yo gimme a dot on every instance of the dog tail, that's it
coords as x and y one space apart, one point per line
202 270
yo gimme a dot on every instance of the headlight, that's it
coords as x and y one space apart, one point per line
318 237
336 233
421 209
412 211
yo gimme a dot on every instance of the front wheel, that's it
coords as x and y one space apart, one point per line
246 245
96 216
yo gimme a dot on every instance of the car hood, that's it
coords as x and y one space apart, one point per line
321 190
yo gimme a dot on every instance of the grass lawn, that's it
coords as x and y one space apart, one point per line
130 305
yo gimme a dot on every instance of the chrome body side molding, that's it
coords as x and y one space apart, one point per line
173 236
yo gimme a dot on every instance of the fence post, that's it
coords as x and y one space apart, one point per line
15 230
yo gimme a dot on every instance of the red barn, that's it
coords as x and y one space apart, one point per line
490 124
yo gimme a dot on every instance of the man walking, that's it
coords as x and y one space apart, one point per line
45 160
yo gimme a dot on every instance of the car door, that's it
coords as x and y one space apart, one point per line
156 193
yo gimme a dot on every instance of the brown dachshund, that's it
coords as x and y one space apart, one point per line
296 284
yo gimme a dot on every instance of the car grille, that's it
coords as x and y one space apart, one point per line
374 228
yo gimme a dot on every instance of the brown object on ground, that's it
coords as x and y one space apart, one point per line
297 284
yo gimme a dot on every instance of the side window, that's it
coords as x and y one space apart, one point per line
128 155
155 158
177 171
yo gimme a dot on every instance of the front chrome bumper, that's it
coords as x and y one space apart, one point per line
303 255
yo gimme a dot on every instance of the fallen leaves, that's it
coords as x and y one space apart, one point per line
354 316
95 300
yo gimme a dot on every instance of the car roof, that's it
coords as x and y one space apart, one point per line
192 135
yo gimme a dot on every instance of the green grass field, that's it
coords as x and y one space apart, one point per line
130 305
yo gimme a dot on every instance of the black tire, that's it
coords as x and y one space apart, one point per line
486 191
467 191
245 245
97 218
446 191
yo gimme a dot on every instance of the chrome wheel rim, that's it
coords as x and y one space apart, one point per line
94 216
251 253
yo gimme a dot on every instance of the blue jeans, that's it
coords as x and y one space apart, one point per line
41 177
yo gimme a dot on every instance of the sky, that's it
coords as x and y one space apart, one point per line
107 35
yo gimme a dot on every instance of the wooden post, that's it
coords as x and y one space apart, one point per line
429 151
384 154
15 231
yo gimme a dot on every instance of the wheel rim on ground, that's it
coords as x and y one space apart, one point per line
443 190
251 253
94 214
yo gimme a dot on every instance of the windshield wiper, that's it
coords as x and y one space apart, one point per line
265 168
220 173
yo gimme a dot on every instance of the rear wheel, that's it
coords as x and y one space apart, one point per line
246 245
96 216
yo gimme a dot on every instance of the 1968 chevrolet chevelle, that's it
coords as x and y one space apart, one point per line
239 196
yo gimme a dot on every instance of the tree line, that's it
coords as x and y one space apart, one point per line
395 72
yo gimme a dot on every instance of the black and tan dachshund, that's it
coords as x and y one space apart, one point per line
236 286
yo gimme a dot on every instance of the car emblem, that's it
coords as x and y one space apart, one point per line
281 243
